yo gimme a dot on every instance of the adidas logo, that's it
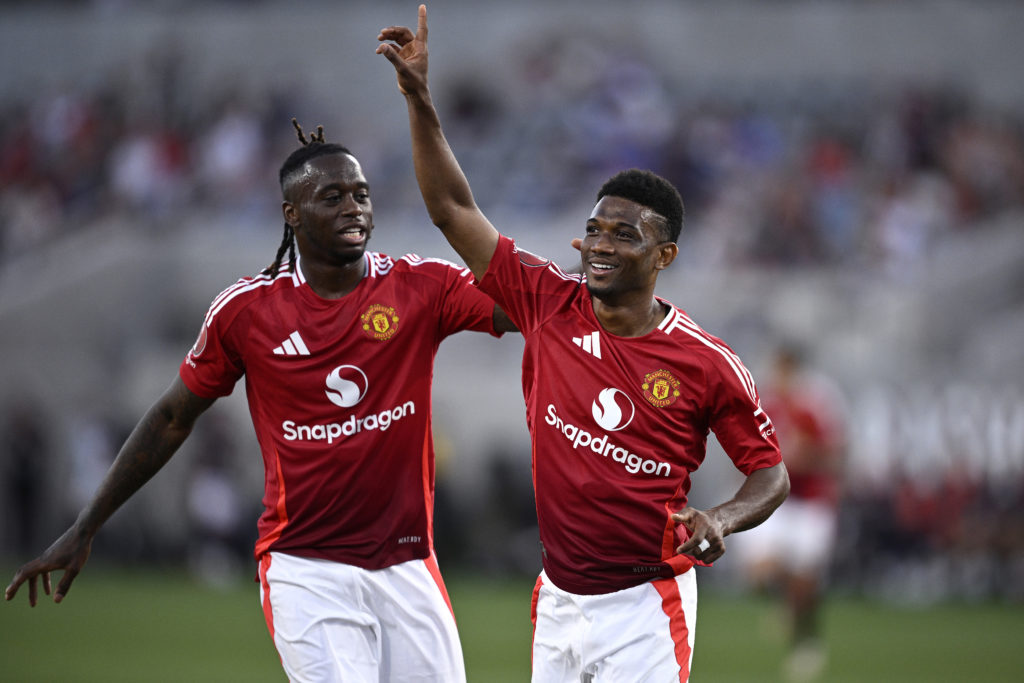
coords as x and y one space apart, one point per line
292 346
590 343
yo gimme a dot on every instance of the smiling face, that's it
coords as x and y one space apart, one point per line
328 205
623 250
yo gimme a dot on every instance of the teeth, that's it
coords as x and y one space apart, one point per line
601 266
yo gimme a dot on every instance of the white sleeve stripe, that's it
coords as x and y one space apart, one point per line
681 322
553 267
241 283
414 260
234 291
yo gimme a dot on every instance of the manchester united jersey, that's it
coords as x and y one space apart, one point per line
339 392
618 424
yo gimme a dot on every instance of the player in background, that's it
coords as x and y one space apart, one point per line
621 390
792 550
337 345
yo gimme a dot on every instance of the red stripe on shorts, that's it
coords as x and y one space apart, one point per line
268 613
672 605
435 571
533 614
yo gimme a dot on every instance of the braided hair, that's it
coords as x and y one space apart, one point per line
312 147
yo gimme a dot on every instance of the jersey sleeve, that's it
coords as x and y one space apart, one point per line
464 306
740 424
213 365
528 287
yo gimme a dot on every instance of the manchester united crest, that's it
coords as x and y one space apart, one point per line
380 322
661 388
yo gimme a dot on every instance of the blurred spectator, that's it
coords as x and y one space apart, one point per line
24 459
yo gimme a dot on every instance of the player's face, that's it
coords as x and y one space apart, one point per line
330 210
623 249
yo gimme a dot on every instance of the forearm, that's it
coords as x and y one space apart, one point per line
145 452
761 492
442 183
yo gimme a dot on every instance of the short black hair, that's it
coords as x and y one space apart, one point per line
651 190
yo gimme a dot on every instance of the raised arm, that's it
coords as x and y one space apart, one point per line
444 187
151 444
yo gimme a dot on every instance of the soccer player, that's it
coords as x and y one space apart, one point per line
621 390
337 349
793 549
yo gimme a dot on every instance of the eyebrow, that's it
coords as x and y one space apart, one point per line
361 185
616 223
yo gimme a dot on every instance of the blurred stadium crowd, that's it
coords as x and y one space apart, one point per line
862 177
816 174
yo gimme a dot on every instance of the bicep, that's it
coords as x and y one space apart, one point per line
179 406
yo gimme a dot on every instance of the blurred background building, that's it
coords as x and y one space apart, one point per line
854 180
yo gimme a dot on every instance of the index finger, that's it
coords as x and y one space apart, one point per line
20 577
684 517
421 24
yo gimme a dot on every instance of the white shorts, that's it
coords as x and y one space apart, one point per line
799 536
643 633
335 622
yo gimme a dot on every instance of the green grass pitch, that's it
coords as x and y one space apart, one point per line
131 626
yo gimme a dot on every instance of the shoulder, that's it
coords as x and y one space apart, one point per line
414 266
719 361
248 291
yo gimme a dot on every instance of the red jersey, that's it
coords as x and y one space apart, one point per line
340 396
618 424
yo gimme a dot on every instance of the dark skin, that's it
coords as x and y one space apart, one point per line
622 253
328 206
329 209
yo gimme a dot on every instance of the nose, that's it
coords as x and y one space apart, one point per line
602 242
350 207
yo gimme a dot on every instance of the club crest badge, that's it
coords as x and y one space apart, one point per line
661 388
380 322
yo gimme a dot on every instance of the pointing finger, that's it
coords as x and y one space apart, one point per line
421 24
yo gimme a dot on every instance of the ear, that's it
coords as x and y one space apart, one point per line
291 214
667 252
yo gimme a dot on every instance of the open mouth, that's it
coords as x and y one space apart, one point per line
354 235
600 268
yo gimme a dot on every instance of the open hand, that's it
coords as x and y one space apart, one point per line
407 52
69 552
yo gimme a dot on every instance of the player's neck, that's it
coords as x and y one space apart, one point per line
629 319
330 281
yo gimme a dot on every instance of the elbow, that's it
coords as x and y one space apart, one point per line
445 215
782 486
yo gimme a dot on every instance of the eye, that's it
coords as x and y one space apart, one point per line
591 230
363 196
332 197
